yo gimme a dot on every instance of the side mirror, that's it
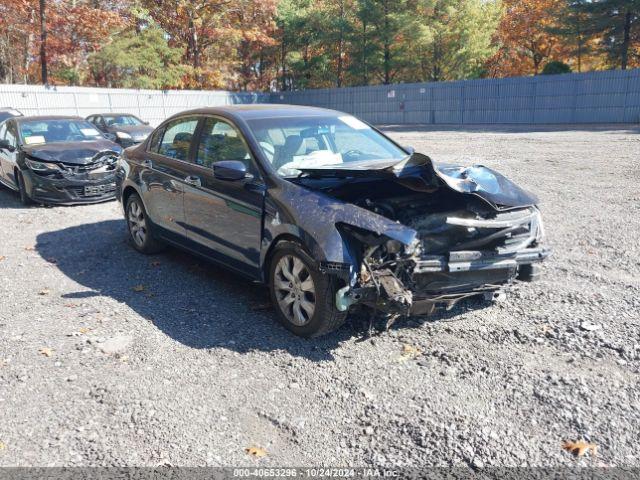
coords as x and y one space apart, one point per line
410 150
146 123
5 145
230 170
109 136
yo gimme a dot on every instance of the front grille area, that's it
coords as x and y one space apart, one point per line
106 160
79 192
463 230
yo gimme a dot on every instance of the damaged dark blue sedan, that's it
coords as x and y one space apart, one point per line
57 160
328 211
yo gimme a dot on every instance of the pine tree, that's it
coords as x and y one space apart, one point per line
617 22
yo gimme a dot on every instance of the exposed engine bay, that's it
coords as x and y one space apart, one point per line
466 244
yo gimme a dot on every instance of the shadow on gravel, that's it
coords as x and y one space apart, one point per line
192 301
10 199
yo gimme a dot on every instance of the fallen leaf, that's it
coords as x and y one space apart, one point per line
71 305
46 351
30 248
546 329
52 260
2 257
256 452
84 330
2 446
44 291
409 352
580 447
139 288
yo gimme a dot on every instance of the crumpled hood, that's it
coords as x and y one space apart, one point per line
491 186
77 153
486 183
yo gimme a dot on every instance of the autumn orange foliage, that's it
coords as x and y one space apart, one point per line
76 29
524 38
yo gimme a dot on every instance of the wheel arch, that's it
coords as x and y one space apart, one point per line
268 256
127 192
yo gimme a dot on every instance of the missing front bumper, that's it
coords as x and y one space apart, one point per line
442 280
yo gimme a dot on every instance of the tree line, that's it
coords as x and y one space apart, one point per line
298 44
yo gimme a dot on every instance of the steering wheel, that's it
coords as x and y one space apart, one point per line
75 136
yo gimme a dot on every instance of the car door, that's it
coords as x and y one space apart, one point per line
8 159
225 216
163 173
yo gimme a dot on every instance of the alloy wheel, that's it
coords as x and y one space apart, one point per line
295 290
137 223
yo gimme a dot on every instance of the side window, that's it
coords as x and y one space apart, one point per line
176 141
220 140
11 136
3 130
154 143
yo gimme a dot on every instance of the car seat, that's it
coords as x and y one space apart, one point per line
57 132
293 145
181 144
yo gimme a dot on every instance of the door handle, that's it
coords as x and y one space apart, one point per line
195 181
147 163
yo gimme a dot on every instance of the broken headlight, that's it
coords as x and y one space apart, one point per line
42 167
538 225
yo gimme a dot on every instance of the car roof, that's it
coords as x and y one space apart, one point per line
263 110
38 118
113 114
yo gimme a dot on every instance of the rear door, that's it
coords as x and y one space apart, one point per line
223 215
163 172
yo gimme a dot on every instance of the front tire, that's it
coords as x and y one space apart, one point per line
22 189
138 225
304 298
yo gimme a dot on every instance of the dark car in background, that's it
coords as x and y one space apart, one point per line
7 112
123 128
57 160
328 211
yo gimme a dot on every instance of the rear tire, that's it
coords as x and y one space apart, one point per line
304 298
22 189
140 232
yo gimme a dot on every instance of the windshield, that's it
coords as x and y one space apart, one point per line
310 142
122 120
53 131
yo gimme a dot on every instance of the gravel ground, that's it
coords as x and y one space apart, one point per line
108 357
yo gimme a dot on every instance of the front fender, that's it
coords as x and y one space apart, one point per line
316 219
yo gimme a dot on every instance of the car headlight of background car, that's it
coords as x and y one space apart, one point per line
42 167
123 135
